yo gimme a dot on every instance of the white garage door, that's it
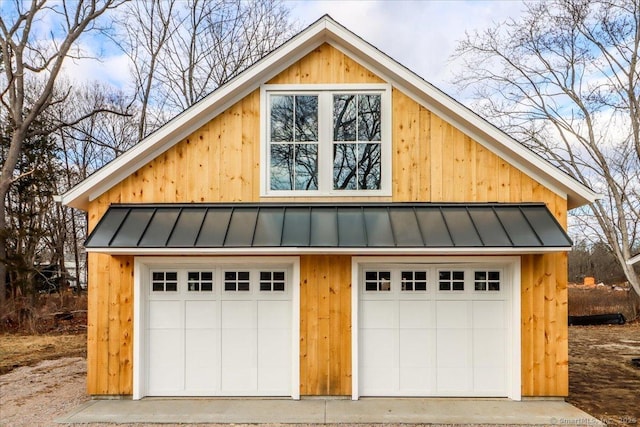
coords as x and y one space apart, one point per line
223 331
433 331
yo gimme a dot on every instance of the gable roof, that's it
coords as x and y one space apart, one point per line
326 30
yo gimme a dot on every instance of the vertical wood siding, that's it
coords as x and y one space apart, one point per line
325 325
432 162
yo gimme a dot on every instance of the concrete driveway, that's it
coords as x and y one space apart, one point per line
332 411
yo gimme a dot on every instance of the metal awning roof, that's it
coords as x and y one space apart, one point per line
357 226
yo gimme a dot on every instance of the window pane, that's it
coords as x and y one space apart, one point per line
369 166
207 275
206 286
265 286
445 286
265 275
281 118
458 286
243 275
345 166
458 275
158 287
421 286
282 166
306 118
306 166
494 275
481 275
421 275
494 286
344 117
481 286
172 275
243 286
369 117
278 286
278 275
445 275
193 275
158 275
229 286
172 286
229 275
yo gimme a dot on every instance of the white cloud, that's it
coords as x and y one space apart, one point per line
113 69
421 35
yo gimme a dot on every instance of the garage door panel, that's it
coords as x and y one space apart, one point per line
165 314
417 380
239 359
274 315
274 380
201 314
165 347
378 346
489 347
453 348
379 314
489 381
453 381
238 314
273 348
202 363
453 314
489 314
416 347
417 314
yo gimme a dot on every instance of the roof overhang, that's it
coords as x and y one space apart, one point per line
286 229
326 30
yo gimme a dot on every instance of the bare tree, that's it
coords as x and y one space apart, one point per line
27 56
564 79
145 27
181 51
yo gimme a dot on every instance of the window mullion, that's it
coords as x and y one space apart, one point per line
325 142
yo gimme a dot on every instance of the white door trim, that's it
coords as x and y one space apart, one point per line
142 267
512 269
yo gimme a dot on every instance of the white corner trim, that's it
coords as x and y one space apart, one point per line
355 355
138 331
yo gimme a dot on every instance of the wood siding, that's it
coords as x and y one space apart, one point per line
325 325
432 162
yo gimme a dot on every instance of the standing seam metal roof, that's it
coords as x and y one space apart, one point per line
375 225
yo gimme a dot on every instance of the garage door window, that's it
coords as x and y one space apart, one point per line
236 281
487 280
200 281
451 280
272 281
164 281
413 281
377 281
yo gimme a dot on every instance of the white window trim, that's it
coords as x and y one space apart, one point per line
509 265
325 180
144 264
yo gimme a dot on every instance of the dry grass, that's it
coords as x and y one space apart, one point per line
603 300
37 315
28 350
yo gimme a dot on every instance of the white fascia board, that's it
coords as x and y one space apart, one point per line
193 118
465 119
322 250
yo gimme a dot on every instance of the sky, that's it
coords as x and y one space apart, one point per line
421 35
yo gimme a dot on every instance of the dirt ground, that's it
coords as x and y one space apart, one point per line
602 380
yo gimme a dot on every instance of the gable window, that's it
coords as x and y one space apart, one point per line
326 141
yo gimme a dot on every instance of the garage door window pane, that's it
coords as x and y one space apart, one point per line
236 281
164 281
487 280
377 281
451 280
272 281
413 281
200 281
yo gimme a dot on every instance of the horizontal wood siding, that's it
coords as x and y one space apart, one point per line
325 325
432 162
